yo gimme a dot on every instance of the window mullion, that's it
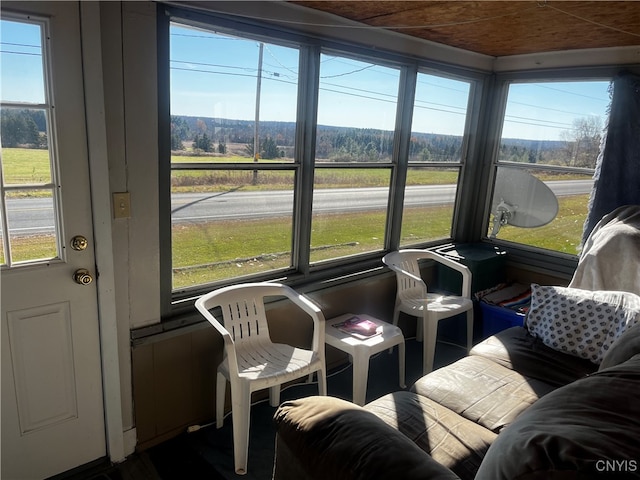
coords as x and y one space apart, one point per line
468 208
406 97
305 155
5 222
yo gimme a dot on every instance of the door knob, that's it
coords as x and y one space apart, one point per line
82 276
79 243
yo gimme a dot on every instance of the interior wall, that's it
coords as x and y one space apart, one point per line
130 73
110 27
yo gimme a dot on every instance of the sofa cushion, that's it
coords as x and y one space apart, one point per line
453 441
623 349
328 438
482 391
588 429
580 322
517 350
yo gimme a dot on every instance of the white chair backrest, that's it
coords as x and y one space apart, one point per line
243 314
242 308
405 264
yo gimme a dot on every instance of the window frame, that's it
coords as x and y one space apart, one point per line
334 264
54 182
302 273
536 257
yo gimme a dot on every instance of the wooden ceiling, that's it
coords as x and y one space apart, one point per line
499 28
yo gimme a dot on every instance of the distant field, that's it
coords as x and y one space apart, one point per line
24 166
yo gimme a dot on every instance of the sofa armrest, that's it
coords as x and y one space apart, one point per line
325 437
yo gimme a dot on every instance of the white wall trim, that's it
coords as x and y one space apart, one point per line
130 441
101 206
593 57
322 24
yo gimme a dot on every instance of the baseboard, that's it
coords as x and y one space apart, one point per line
130 438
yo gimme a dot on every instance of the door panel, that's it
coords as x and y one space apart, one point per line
52 397
42 336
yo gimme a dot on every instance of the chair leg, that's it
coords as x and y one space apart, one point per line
241 415
396 317
401 364
429 347
396 314
469 330
420 330
322 381
274 396
221 387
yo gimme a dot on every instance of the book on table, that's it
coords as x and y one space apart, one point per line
359 327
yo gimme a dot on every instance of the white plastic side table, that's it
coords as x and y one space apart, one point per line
361 350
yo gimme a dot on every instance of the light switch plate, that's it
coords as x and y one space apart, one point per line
121 205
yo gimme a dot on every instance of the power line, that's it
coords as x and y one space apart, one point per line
570 92
232 74
248 69
462 109
9 52
535 124
348 73
546 108
392 99
346 87
26 45
434 109
278 61
442 86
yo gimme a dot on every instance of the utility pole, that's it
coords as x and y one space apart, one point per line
256 134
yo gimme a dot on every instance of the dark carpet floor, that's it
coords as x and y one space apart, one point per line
208 452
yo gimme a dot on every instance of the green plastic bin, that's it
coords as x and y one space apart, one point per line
486 262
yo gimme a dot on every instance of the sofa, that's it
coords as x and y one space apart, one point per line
550 400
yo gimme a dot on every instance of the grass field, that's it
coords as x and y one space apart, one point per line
25 166
240 246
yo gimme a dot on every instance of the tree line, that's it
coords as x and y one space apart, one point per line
277 139
579 146
23 128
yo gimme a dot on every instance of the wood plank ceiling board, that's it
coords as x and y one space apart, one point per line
500 28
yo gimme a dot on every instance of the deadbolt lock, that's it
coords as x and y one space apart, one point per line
82 276
79 243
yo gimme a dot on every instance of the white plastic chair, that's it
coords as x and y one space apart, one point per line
413 299
251 360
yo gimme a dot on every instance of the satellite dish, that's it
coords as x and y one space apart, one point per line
521 200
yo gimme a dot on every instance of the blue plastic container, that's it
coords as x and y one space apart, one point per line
496 319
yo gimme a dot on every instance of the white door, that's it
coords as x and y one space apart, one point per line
52 398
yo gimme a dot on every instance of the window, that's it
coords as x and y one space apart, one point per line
355 136
289 155
435 158
550 141
29 227
231 202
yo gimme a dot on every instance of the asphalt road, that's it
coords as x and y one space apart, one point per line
35 215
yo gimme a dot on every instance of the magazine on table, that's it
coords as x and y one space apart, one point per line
359 327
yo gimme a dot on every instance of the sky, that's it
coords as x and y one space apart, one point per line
21 71
215 75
